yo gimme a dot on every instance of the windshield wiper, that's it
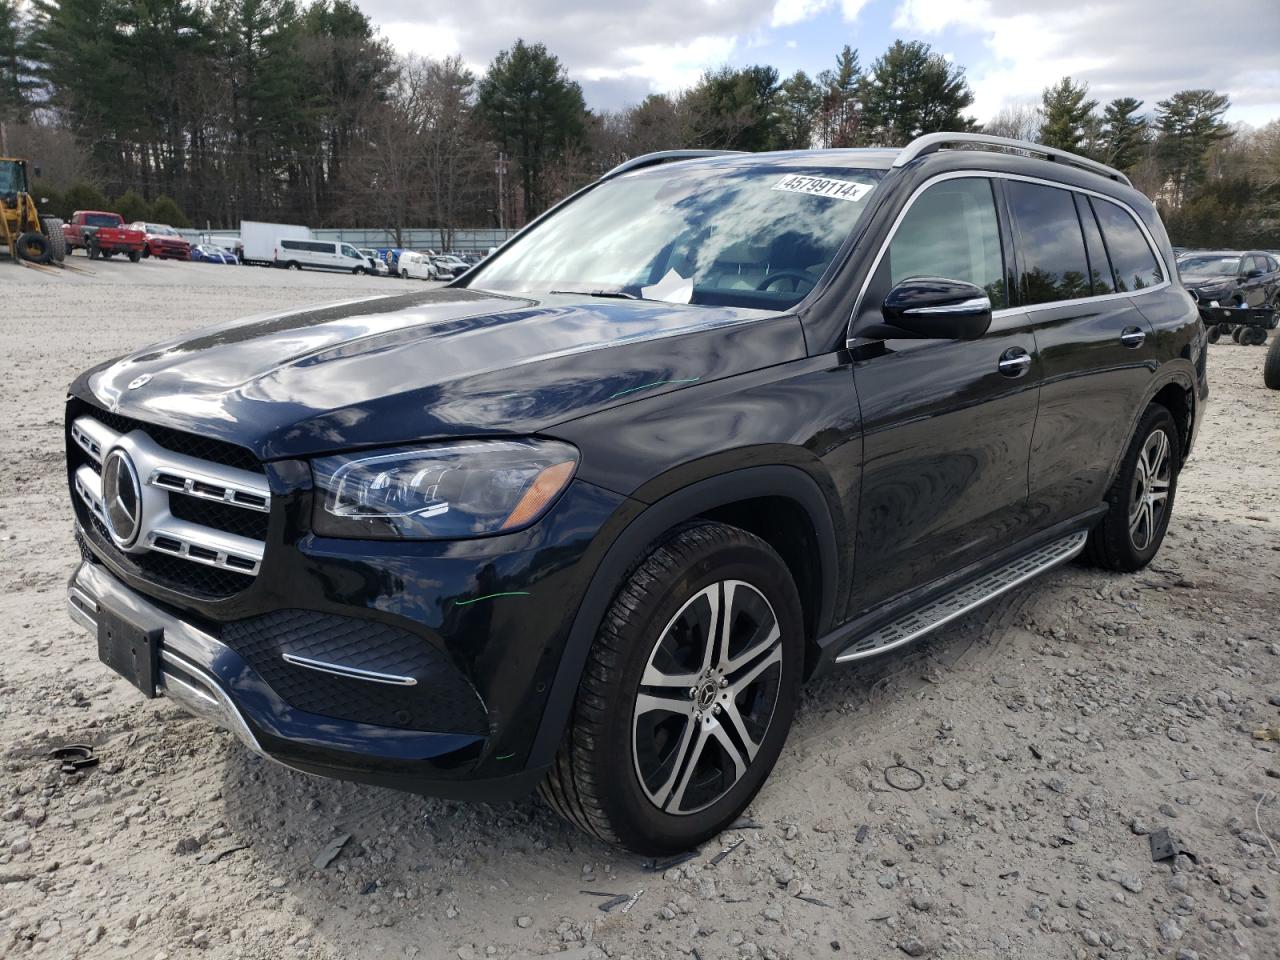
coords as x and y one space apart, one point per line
614 294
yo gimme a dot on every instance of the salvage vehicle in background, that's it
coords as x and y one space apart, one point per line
28 235
101 233
162 241
212 253
585 520
448 266
1238 292
379 265
416 266
320 255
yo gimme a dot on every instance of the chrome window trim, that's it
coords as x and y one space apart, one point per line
851 341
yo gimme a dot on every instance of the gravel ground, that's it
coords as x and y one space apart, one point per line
1048 734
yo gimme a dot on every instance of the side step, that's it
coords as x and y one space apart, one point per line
963 599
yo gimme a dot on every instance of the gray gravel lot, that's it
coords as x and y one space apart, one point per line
1053 731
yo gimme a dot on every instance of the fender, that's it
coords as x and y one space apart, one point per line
632 544
1179 371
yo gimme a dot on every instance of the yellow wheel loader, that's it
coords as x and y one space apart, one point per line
28 235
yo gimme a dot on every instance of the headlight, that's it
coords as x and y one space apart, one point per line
442 492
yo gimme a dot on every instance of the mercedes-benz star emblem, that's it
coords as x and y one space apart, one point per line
121 497
140 381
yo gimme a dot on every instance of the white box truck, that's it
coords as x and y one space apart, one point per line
259 239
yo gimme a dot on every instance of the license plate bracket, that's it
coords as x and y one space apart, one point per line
131 650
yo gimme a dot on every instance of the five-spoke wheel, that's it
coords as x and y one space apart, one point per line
687 696
706 697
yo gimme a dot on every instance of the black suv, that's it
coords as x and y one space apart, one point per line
585 519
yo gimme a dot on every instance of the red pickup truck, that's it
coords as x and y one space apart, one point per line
103 234
162 241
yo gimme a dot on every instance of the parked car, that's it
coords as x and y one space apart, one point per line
448 266
320 255
416 266
162 241
212 253
379 265
103 234
586 519
1248 278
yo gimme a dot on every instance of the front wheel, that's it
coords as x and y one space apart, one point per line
134 256
1141 499
687 696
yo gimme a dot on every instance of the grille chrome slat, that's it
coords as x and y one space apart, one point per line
170 475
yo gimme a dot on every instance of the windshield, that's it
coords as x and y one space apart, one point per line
1208 266
12 177
161 230
758 236
101 220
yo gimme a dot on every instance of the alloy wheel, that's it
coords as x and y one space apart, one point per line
1152 476
707 696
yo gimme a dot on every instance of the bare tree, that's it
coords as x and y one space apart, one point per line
455 157
1018 121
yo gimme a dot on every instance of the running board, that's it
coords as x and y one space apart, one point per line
964 598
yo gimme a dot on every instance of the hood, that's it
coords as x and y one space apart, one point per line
441 363
1213 280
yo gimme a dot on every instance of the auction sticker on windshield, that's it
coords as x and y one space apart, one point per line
823 187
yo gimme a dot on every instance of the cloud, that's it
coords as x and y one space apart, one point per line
787 12
1137 48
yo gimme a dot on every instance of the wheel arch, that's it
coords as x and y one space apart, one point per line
782 504
1173 387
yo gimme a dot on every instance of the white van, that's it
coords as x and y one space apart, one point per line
415 265
295 254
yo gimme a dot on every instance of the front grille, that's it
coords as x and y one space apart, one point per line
202 519
441 701
220 516
187 444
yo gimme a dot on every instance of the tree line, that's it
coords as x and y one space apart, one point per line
222 110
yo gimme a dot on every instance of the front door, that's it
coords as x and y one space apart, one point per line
947 423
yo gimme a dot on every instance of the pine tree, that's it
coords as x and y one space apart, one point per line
799 100
912 91
841 114
535 113
1190 123
1068 116
1124 132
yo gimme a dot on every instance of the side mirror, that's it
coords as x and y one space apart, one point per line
935 308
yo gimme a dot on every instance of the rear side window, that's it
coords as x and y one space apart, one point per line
952 231
1100 276
1135 264
1051 253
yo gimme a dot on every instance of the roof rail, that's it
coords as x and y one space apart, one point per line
663 156
933 142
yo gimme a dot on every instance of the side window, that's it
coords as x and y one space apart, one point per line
952 231
1135 264
290 245
1100 277
1051 250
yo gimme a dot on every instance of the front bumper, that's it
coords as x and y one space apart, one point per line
211 680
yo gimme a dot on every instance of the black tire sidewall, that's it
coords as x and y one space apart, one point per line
1271 365
642 826
1117 521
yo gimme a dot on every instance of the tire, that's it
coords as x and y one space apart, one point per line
94 251
652 630
135 256
52 228
34 247
404 274
1235 333
1116 543
293 265
1214 334
1271 366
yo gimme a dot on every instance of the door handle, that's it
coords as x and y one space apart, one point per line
1014 362
1132 337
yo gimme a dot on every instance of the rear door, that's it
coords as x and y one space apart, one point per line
1081 258
947 423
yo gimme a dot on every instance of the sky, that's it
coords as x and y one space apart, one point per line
622 51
